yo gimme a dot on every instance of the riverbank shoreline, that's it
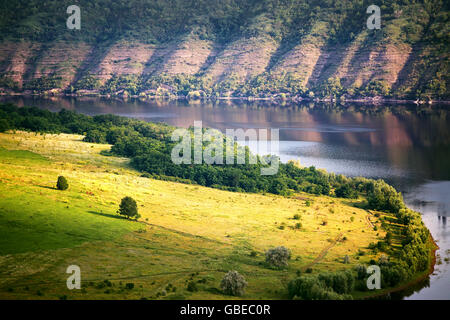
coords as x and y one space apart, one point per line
421 276
274 99
428 260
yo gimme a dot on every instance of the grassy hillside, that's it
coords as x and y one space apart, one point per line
296 48
186 233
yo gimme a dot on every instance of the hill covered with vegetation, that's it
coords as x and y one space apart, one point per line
265 48
333 227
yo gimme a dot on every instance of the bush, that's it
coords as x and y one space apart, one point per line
361 272
233 284
128 208
4 125
192 286
129 286
340 282
62 183
278 257
309 287
346 259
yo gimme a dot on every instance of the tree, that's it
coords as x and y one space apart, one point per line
384 197
95 136
388 238
278 257
192 286
128 208
233 284
62 183
346 191
4 125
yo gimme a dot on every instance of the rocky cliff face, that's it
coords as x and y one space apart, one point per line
242 59
269 54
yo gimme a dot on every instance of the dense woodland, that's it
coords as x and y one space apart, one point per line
159 21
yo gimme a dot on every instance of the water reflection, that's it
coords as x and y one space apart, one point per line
409 146
432 200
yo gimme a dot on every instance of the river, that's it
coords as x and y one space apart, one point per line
407 145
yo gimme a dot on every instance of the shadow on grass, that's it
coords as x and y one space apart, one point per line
108 215
47 187
360 205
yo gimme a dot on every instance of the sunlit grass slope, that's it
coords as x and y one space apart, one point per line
186 232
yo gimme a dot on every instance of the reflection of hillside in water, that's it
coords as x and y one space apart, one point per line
409 146
415 138
431 198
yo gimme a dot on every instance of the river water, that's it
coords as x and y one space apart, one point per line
407 145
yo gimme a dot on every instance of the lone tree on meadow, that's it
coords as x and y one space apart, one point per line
278 257
62 183
233 284
128 208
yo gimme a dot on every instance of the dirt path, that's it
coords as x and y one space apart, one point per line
368 219
323 253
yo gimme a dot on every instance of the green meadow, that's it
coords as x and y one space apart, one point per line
186 233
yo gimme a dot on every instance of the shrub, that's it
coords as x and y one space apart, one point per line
361 272
388 238
233 284
346 259
278 257
62 183
128 208
341 282
192 286
383 260
4 125
129 286
309 287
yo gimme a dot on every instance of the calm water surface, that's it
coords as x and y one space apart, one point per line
408 146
